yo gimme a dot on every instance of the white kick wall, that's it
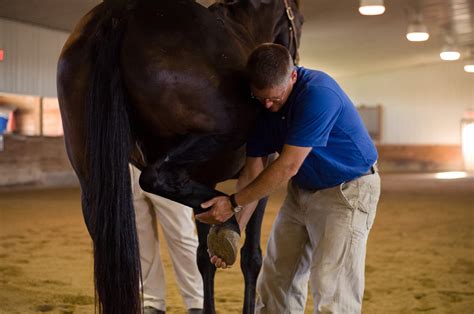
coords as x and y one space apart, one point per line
421 105
31 56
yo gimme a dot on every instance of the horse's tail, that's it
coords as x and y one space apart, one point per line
108 192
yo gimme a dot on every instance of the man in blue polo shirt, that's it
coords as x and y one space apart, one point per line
321 231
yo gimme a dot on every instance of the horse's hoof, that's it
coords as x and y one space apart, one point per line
224 243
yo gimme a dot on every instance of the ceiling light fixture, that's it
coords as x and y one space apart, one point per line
450 55
469 66
417 30
450 52
371 7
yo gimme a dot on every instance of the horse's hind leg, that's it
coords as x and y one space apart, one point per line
251 256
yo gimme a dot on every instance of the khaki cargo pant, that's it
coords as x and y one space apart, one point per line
319 237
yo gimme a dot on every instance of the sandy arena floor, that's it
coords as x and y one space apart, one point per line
420 252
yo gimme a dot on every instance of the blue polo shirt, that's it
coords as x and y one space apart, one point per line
320 115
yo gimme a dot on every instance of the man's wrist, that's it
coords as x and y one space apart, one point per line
233 201
235 206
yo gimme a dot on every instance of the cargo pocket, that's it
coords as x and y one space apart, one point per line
361 196
369 197
349 193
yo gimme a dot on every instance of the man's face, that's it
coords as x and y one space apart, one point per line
273 98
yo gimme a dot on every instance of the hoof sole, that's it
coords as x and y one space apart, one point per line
224 243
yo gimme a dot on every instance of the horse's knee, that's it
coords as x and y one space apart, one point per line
147 179
167 179
250 261
153 180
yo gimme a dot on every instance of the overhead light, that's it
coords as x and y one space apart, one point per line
450 53
469 67
451 175
371 7
417 31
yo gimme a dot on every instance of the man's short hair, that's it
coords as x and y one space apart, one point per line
269 65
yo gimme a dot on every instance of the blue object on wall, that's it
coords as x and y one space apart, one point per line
3 124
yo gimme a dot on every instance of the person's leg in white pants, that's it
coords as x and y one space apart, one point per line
178 228
176 220
153 275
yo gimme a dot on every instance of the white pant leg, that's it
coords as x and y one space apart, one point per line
177 223
179 230
153 275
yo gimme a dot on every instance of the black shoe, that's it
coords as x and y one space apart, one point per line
152 310
195 311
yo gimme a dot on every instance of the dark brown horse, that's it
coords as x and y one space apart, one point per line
160 83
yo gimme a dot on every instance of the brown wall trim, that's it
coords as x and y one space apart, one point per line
409 158
37 159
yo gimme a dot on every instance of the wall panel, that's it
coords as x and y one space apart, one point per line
421 105
31 55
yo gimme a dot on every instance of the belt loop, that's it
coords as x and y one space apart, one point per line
374 168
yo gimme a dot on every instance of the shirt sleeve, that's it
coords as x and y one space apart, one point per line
257 143
314 116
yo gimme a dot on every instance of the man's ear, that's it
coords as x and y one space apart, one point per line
294 76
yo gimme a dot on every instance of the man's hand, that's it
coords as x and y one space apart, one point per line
220 212
219 263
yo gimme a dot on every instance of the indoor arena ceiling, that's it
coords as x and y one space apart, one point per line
336 37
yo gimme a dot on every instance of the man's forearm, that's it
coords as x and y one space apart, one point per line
286 166
268 181
244 216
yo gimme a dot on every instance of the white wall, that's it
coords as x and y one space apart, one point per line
422 105
31 55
